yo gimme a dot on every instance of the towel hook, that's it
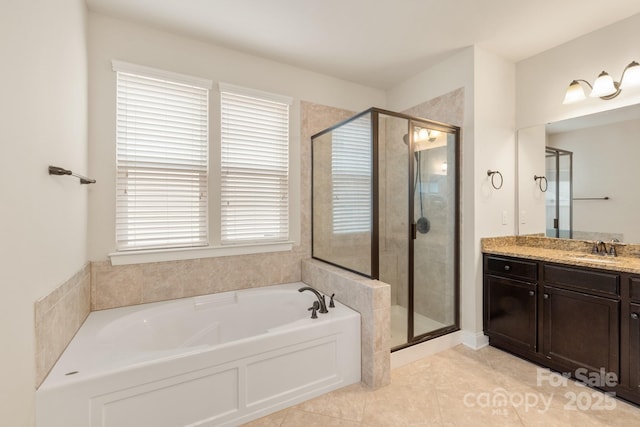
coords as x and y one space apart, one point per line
493 174
539 179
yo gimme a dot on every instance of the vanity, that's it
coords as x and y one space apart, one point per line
553 302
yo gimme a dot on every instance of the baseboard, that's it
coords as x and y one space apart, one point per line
474 340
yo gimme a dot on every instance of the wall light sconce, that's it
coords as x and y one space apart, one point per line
604 87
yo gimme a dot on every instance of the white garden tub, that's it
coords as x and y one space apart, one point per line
215 360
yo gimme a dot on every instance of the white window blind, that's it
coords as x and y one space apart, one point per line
351 165
254 167
162 161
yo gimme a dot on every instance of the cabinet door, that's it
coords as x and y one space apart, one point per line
510 311
634 347
581 330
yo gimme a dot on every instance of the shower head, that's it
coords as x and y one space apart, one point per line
405 138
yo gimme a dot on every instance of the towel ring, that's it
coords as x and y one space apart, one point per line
493 174
539 179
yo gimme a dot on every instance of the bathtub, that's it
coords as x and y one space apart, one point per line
214 360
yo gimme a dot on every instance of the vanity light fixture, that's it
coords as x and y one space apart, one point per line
604 87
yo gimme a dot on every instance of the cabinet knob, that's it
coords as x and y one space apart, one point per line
507 267
634 316
546 296
531 293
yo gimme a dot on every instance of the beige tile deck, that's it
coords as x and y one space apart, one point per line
462 387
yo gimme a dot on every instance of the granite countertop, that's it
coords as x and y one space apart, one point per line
564 251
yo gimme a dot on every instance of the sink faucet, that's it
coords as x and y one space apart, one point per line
323 304
599 248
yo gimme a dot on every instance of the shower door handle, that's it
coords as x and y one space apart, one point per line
414 231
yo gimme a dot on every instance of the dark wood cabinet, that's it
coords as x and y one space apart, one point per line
631 343
568 318
580 318
634 348
511 311
580 330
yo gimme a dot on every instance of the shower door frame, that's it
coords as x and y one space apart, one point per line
557 153
375 231
413 339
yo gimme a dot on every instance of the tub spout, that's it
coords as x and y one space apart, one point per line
321 301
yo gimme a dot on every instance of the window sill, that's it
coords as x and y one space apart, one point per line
160 255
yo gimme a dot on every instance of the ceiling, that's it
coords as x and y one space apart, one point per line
378 43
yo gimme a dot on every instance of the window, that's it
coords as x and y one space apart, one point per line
254 166
351 176
162 159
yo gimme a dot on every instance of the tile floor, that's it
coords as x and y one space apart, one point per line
461 387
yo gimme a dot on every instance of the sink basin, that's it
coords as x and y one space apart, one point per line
594 258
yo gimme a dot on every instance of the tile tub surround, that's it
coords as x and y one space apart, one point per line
120 286
372 299
58 316
562 250
460 387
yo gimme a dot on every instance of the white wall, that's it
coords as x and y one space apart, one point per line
110 38
494 110
541 82
487 143
43 218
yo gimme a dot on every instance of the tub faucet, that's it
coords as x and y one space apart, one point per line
321 301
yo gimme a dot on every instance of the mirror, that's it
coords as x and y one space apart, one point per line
596 197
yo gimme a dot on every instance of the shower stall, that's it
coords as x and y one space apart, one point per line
385 198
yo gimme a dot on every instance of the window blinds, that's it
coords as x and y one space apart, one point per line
162 163
351 176
254 168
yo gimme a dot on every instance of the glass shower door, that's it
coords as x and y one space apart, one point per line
435 230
